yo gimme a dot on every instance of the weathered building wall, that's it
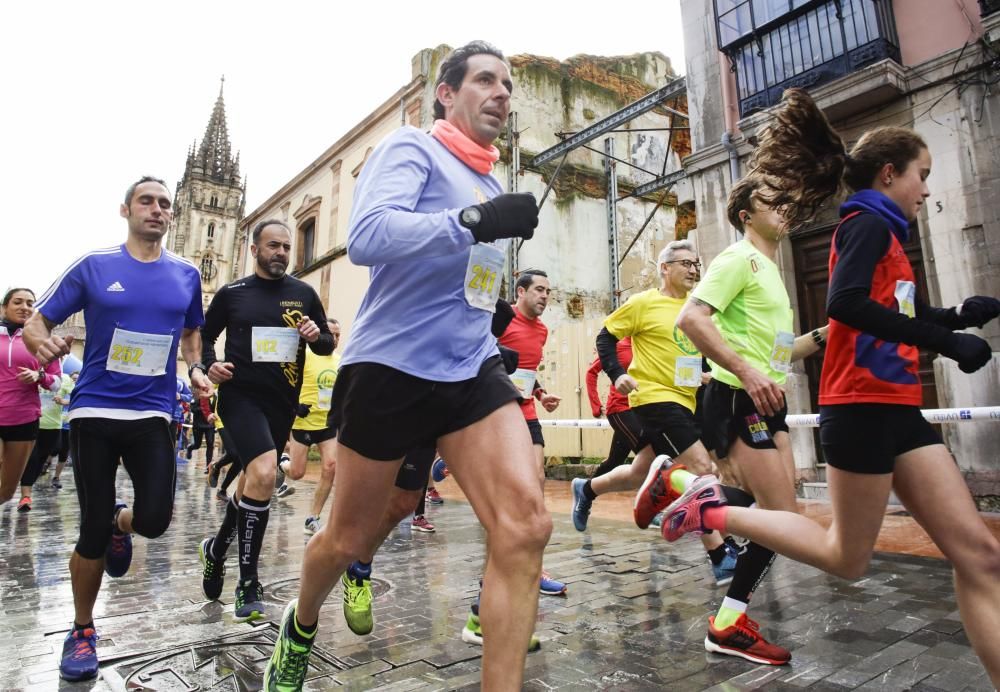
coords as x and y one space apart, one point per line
571 243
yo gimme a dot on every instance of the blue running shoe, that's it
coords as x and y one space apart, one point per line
581 505
118 556
439 470
725 570
79 655
551 587
657 521
249 603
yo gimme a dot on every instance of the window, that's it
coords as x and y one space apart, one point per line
214 202
776 44
207 269
306 252
211 231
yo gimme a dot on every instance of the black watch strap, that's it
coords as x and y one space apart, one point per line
197 366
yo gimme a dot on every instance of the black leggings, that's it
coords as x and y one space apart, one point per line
63 445
46 442
209 435
230 457
146 450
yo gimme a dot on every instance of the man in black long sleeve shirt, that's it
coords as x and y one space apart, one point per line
268 318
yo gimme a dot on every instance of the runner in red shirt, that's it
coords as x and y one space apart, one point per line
527 334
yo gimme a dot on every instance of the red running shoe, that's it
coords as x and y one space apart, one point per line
654 494
743 639
685 514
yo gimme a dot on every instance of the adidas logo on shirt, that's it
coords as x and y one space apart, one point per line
115 288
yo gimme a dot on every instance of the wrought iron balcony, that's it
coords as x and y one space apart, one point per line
773 45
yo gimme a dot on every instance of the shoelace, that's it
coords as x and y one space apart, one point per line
357 594
294 664
86 644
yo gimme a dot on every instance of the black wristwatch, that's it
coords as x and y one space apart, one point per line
197 366
470 217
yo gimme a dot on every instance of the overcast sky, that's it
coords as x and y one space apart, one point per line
98 94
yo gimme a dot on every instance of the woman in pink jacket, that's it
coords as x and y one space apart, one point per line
20 377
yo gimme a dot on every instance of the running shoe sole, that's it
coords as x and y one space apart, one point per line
714 648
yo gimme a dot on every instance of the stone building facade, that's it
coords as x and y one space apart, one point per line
916 63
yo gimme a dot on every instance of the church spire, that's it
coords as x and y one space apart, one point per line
214 158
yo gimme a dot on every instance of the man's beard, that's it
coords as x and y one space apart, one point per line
269 268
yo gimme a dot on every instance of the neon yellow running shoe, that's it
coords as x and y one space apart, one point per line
472 633
286 671
358 603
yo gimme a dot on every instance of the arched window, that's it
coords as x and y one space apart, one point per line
211 231
214 202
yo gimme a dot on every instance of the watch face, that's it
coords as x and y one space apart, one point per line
470 216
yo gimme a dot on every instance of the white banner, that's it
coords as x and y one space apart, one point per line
811 420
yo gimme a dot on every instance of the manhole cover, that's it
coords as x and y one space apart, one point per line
232 662
284 590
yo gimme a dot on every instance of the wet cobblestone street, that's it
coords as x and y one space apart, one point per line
634 618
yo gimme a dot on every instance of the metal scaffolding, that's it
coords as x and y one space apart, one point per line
581 139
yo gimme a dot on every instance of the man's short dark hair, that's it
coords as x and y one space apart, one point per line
455 65
144 179
527 277
259 228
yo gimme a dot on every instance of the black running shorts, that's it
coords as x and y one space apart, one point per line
627 424
670 427
867 438
313 437
416 468
25 432
535 428
255 424
730 413
384 413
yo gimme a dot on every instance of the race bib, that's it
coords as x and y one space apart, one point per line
524 380
135 353
482 276
906 297
274 344
323 398
687 371
781 354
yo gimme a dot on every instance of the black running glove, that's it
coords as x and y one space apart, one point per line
511 215
968 350
510 358
502 317
978 310
303 410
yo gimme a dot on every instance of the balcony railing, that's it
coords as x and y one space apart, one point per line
811 45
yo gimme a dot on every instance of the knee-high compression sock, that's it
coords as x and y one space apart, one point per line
752 565
227 532
252 524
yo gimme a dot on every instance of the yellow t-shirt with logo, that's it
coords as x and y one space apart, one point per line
665 364
318 376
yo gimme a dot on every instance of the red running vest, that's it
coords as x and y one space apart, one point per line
860 368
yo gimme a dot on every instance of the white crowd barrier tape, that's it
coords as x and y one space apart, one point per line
811 420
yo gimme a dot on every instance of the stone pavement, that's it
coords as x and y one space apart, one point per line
634 617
